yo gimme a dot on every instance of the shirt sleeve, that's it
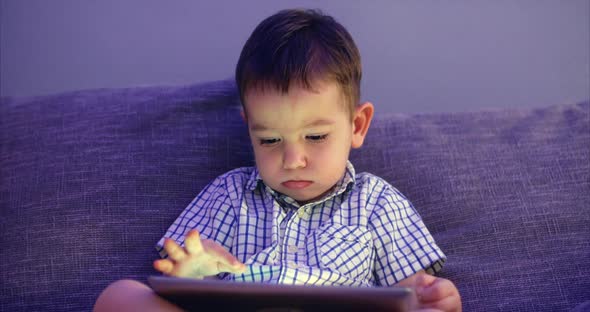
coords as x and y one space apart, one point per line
403 245
210 213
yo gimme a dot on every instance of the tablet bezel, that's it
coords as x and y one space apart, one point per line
218 295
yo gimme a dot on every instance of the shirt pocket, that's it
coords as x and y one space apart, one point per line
343 249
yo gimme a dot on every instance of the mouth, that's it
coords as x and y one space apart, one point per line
296 184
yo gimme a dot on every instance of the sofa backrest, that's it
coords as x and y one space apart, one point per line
90 180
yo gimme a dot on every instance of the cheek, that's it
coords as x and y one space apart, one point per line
265 158
331 154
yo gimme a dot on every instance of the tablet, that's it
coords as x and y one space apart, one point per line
218 295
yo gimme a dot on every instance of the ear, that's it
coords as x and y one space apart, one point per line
243 114
361 121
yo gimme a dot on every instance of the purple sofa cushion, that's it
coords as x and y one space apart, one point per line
506 195
90 180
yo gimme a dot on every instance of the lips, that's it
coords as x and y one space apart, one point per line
296 184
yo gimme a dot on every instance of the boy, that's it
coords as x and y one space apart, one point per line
302 215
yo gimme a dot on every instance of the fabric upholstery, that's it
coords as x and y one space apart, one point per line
506 195
91 179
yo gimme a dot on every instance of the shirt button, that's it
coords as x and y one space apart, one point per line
292 248
301 213
292 264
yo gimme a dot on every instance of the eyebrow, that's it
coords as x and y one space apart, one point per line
315 123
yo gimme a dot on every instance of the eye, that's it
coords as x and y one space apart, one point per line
317 138
271 141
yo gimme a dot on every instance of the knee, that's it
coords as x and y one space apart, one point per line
118 295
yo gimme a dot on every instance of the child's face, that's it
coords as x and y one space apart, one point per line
301 140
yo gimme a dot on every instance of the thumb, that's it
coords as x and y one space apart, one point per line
423 281
226 262
235 268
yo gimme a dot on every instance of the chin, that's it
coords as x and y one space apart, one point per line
309 198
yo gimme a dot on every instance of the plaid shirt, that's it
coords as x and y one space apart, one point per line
362 233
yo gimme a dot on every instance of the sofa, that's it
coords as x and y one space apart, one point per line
91 179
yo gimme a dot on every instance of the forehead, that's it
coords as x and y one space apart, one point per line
299 106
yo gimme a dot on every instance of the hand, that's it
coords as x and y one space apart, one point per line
199 258
436 294
433 293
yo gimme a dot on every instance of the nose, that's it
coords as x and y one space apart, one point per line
294 157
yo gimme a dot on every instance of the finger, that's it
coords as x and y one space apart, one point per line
451 303
221 254
174 251
226 260
237 269
164 265
424 280
192 242
441 288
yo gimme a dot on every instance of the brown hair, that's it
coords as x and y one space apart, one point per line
300 47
